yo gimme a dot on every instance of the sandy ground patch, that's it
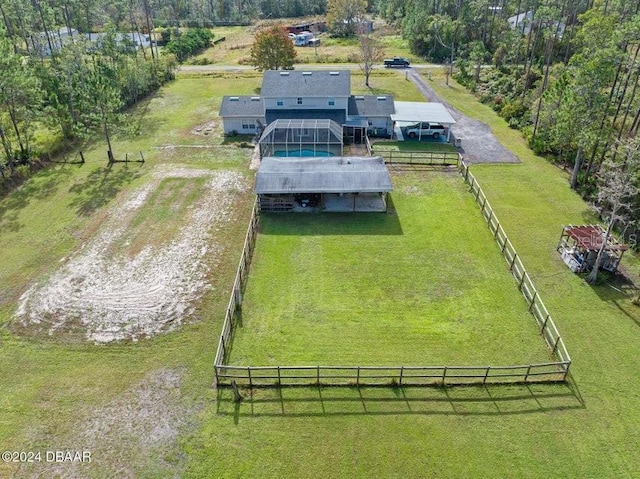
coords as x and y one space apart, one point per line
111 298
133 435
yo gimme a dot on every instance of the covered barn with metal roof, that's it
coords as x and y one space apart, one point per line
323 184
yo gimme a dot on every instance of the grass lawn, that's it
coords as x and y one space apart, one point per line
51 390
424 284
413 145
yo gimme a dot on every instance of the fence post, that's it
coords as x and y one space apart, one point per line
401 374
444 375
358 377
544 325
555 346
486 374
533 300
279 379
513 260
249 372
318 375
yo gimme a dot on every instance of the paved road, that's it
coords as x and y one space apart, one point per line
479 145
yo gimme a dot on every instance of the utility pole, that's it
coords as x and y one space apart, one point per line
452 47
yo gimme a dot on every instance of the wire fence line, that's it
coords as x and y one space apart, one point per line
289 375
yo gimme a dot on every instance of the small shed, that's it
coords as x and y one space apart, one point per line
579 246
337 184
298 138
412 112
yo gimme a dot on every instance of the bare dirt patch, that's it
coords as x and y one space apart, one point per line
134 434
205 129
114 296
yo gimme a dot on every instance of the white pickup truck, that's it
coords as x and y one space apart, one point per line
419 130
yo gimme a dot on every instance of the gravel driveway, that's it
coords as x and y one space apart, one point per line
478 143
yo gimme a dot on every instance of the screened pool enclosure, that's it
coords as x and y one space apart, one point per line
301 138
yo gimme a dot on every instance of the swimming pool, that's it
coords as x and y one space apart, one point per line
302 153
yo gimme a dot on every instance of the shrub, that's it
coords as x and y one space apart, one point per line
189 43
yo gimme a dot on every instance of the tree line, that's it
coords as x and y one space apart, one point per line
58 81
565 72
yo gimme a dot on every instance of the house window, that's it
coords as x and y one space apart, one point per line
280 102
248 125
299 101
332 102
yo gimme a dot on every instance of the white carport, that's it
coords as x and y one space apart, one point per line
411 112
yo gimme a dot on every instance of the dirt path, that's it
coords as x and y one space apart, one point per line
479 145
110 297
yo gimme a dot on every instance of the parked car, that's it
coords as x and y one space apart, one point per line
424 129
396 62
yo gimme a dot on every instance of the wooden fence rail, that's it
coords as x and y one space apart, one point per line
387 375
235 301
398 375
548 329
418 157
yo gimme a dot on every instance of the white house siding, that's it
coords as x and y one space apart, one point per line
236 124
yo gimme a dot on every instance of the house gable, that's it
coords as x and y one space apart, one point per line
298 83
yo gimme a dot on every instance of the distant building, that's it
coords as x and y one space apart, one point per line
523 22
317 27
45 45
48 43
134 39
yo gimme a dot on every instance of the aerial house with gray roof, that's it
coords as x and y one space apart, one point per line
308 95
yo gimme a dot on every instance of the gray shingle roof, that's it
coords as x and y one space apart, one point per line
241 106
370 105
322 175
298 83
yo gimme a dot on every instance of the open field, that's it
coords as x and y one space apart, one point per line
147 409
423 284
130 227
236 49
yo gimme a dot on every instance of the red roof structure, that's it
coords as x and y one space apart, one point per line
591 238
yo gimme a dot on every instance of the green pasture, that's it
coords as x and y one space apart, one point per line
423 284
587 428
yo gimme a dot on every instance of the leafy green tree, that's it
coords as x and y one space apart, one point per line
189 43
343 16
20 102
272 49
